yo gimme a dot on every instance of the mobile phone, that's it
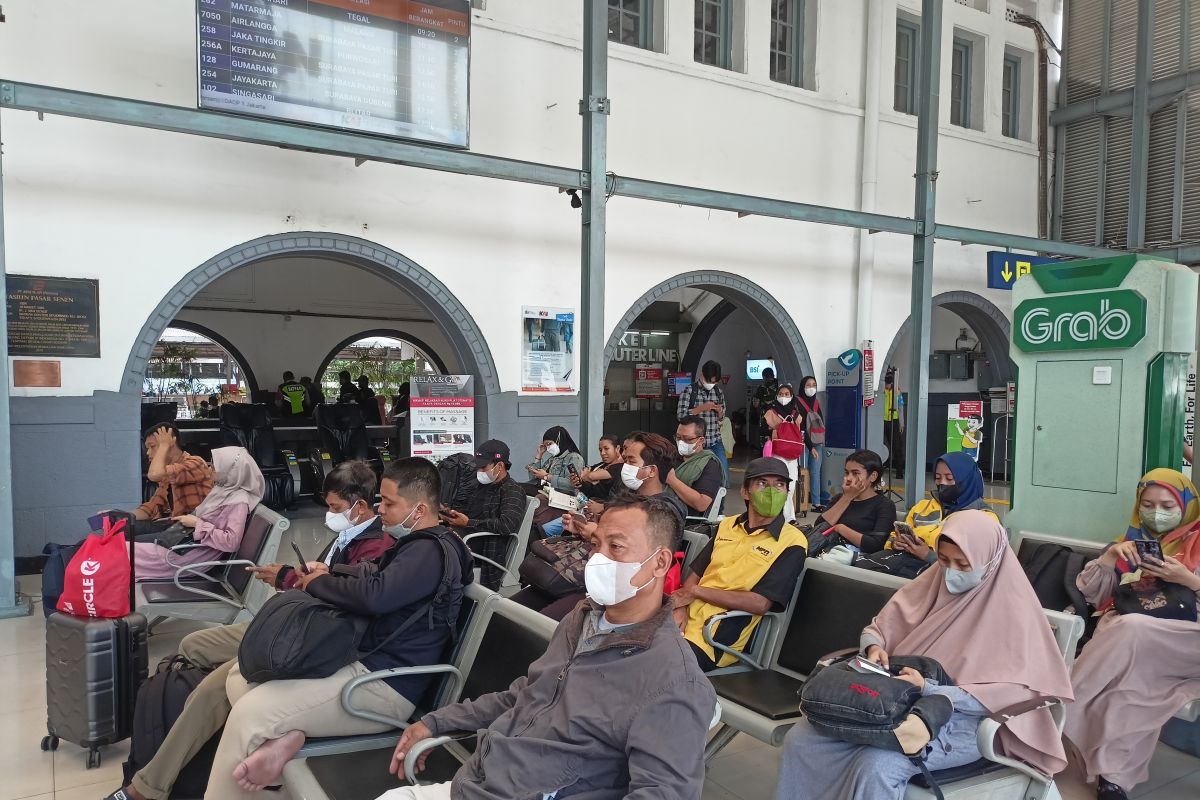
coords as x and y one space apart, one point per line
303 562
1149 548
861 664
571 469
904 529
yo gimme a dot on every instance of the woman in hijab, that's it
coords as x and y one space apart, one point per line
217 523
1137 671
554 454
957 486
979 618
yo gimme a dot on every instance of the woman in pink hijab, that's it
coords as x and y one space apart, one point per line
978 617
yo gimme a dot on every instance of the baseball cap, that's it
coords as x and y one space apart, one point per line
493 451
763 467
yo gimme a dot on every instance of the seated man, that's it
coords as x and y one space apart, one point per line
752 564
497 505
349 489
699 476
184 480
615 708
268 722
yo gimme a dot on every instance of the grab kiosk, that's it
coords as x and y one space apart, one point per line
843 416
1101 349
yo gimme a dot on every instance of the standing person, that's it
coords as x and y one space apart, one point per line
217 523
764 397
347 391
860 514
316 396
978 617
615 708
893 423
812 423
554 459
366 399
291 396
782 409
698 479
704 398
1138 670
401 443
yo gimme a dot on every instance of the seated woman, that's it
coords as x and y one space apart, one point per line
957 486
554 454
1138 670
598 481
979 618
217 523
860 514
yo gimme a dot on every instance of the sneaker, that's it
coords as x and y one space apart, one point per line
119 794
1106 790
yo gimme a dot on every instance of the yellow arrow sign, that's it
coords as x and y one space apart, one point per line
1006 274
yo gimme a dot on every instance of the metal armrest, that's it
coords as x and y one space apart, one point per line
196 568
829 658
181 548
990 727
419 749
710 625
497 565
477 534
378 675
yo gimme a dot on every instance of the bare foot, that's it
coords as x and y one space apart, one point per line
263 767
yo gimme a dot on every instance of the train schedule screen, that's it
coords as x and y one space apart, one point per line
390 67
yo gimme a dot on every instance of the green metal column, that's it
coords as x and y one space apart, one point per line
8 579
1139 157
922 274
594 108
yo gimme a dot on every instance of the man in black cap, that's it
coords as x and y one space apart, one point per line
497 506
751 565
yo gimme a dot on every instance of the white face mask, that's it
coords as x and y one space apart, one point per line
484 477
339 522
810 391
1159 520
707 386
629 476
609 582
402 528
685 448
784 399
553 450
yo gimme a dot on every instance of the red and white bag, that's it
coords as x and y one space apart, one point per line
97 581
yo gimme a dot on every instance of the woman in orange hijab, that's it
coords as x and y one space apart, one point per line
1138 670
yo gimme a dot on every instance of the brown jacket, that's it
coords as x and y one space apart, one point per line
627 718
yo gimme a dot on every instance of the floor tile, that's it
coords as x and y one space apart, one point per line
23 634
1185 788
26 769
1167 767
70 767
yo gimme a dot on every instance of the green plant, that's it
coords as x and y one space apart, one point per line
385 372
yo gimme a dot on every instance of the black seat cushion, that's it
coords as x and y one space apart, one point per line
166 592
772 694
364 774
948 776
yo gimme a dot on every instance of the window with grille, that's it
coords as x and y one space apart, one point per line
631 22
713 42
1010 98
908 38
960 84
787 41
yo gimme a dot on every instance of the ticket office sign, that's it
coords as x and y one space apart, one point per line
53 316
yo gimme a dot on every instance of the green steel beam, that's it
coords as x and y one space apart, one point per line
1139 157
954 233
1120 104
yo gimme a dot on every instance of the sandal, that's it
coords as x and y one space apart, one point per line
1106 790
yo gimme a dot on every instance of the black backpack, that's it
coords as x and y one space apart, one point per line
159 703
1052 570
457 472
58 556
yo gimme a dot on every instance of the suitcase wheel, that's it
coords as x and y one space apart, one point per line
49 743
93 758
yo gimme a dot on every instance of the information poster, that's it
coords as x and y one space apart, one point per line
648 381
868 367
1189 419
547 350
53 317
391 67
964 428
442 415
677 382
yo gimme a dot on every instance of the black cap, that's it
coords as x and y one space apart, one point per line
493 451
762 467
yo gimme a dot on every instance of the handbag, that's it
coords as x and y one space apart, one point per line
1156 598
555 566
877 710
814 423
821 537
97 581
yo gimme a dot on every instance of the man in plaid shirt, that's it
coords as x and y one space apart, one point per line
183 479
704 399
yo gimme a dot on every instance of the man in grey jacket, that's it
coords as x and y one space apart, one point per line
616 708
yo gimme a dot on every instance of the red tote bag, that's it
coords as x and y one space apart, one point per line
98 579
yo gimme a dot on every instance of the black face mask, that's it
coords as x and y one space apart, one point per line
948 494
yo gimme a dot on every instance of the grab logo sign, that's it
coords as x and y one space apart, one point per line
1113 320
89 567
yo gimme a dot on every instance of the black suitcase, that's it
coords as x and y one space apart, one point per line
94 668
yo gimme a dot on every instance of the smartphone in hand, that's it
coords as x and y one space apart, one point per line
303 561
861 664
1149 548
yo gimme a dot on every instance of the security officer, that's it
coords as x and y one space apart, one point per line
291 396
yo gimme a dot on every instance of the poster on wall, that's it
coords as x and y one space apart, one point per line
648 380
1189 417
442 415
53 316
677 382
868 366
547 350
964 428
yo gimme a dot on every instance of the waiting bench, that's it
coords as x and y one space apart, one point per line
833 604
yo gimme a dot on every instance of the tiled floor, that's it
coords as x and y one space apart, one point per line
745 770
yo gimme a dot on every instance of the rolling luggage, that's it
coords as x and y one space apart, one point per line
94 668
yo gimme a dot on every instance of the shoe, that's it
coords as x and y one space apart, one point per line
1106 790
119 794
819 508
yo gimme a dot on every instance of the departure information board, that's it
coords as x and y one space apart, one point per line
392 67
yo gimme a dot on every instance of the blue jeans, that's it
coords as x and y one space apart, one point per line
719 451
553 528
813 465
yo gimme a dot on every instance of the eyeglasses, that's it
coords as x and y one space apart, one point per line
758 484
688 439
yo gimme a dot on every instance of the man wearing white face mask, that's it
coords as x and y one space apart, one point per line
547 734
699 477
496 506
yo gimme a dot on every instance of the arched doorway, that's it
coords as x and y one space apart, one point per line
988 323
455 323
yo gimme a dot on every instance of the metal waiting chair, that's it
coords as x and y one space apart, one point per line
518 545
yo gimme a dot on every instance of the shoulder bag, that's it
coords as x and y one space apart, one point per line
1156 598
555 566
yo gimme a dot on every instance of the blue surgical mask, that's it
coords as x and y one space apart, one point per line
959 582
402 529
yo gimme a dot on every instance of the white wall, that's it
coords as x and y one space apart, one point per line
945 329
138 209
